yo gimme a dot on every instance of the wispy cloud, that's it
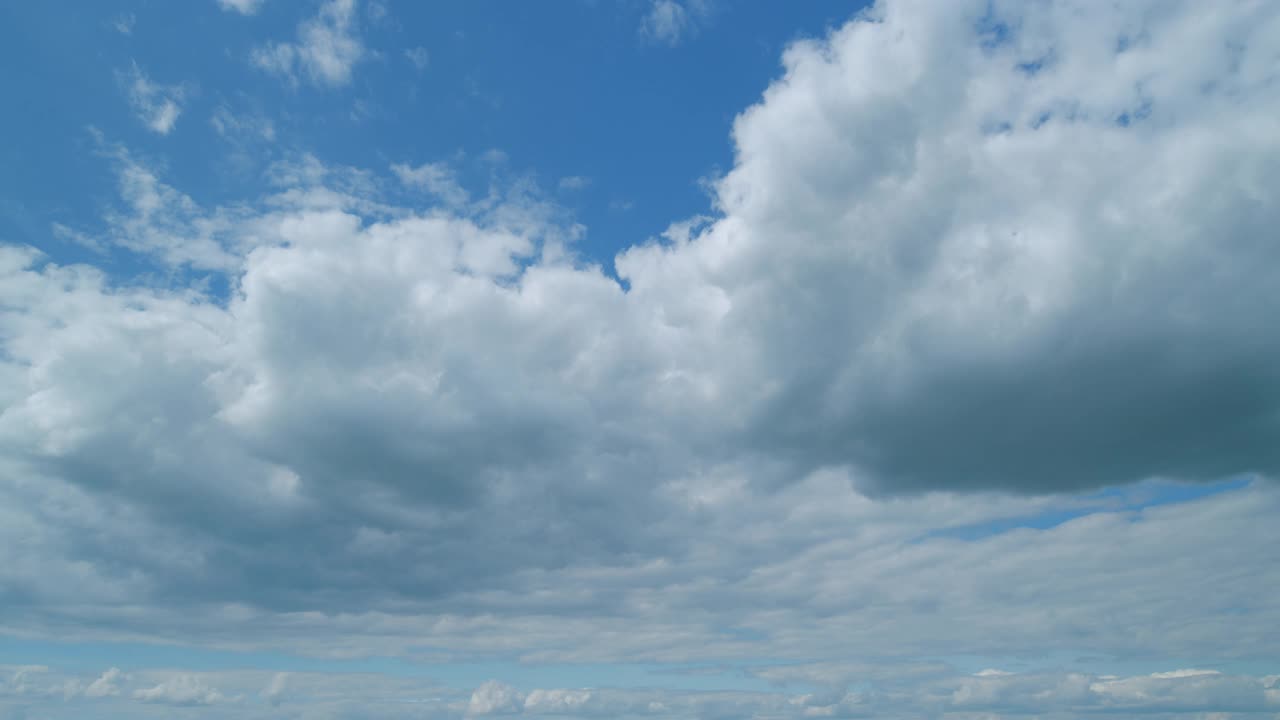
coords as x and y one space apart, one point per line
574 182
156 105
244 7
670 22
418 57
124 23
242 126
326 50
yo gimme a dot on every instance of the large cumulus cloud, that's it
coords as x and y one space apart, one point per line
1013 245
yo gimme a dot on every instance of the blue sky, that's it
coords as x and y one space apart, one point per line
568 90
639 358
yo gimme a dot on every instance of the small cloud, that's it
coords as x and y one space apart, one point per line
181 690
244 7
105 685
418 57
495 698
376 10
123 24
669 22
574 182
327 48
1174 674
494 156
245 126
275 690
71 235
436 178
361 110
157 106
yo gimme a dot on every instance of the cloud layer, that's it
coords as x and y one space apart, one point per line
1181 693
970 257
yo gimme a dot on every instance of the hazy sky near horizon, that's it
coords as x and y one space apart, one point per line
640 359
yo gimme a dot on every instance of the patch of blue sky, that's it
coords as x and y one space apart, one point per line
562 90
1130 498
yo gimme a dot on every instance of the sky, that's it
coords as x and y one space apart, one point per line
690 359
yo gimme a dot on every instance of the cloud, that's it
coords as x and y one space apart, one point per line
244 7
105 685
495 698
436 178
156 106
574 182
155 219
124 23
890 260
418 57
953 274
327 49
276 690
948 693
241 127
1041 694
670 22
181 689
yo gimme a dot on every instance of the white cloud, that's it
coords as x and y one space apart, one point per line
244 7
933 297
495 698
124 23
418 57
181 689
672 21
946 694
436 178
156 219
328 47
574 182
157 106
242 126
106 684
276 690
22 679
944 264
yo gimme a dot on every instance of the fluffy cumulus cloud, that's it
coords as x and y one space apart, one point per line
940 221
326 50
965 248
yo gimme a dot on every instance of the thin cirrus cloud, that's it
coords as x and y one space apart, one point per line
971 263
